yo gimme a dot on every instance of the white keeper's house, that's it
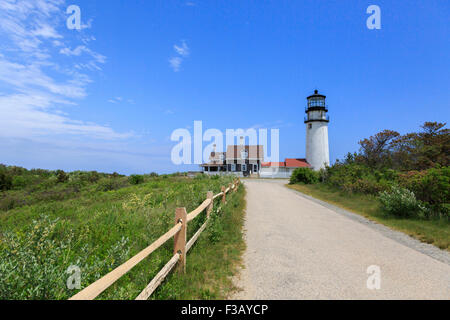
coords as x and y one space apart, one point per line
248 160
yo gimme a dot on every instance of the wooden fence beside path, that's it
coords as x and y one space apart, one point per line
178 232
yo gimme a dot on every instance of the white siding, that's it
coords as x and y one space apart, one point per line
275 172
317 149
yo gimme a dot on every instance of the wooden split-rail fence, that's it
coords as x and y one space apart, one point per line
181 247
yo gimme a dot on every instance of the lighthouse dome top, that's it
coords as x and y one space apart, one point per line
316 95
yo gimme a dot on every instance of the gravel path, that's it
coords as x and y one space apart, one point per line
302 248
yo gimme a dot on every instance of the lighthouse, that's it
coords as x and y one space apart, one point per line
316 120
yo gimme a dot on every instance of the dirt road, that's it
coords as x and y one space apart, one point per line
298 248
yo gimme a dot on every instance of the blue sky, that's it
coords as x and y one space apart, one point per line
107 97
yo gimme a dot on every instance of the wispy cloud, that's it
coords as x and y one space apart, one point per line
121 99
183 52
82 49
38 85
175 63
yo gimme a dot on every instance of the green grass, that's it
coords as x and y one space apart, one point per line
436 232
99 230
214 259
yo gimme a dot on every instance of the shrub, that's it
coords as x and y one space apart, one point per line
304 175
93 176
354 177
5 181
432 186
61 176
401 202
367 186
109 184
19 182
136 179
9 202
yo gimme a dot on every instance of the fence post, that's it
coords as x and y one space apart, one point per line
209 195
180 239
223 196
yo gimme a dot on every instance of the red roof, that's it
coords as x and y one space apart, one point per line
273 164
297 163
289 163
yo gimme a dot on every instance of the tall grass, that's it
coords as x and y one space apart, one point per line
95 230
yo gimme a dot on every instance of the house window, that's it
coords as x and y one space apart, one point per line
310 126
255 168
233 167
244 167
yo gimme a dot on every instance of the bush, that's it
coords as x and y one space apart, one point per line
9 202
353 177
5 181
136 179
61 176
109 184
304 175
19 182
432 186
93 176
401 202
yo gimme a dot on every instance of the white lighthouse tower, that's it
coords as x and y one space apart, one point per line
316 120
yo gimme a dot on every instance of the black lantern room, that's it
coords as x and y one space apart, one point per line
317 108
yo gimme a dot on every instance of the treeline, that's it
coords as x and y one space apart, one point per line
410 173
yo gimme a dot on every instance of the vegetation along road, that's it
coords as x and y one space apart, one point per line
52 220
298 248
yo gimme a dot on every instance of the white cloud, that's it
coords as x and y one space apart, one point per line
79 50
36 89
46 31
28 115
175 63
88 25
182 50
120 99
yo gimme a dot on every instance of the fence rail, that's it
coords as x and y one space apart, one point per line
178 232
